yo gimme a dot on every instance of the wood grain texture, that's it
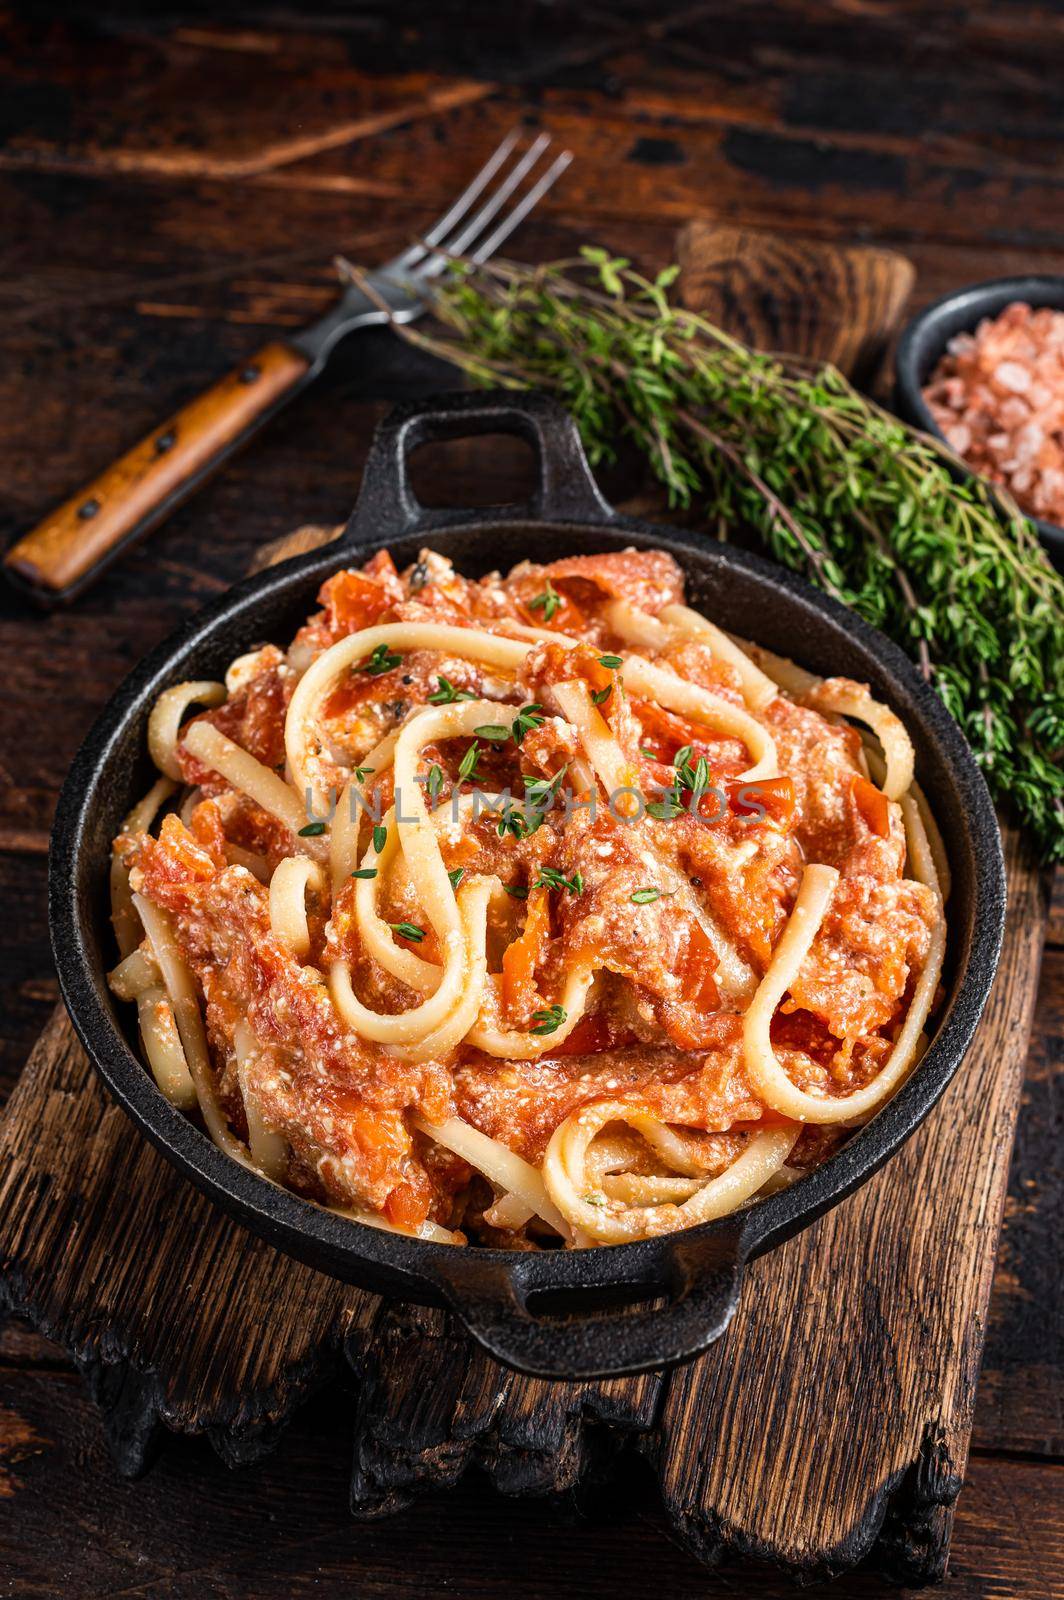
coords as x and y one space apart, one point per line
132 495
211 1333
836 304
29 988
770 113
1055 930
463 1410
280 1529
1021 1404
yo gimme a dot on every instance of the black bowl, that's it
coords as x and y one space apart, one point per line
551 1313
925 338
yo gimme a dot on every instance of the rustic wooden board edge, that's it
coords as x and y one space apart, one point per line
136 1409
528 1436
840 304
135 1413
903 1533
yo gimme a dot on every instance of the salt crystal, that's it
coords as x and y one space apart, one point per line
1010 375
1013 413
974 397
1029 440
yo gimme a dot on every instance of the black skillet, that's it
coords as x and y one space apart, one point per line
560 1314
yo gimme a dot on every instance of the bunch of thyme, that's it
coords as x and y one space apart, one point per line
865 506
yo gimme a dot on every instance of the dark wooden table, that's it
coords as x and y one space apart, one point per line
172 192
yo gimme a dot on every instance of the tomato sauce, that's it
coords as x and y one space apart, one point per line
676 915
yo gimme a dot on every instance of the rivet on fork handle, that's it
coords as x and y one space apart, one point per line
145 485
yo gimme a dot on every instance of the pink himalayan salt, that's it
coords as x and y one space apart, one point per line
997 396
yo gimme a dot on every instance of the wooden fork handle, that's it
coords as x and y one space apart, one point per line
77 540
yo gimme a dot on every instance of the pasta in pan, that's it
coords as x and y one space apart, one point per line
536 911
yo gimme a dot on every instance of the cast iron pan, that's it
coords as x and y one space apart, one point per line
558 1314
924 341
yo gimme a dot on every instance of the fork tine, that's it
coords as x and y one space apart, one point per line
435 264
485 250
497 199
456 211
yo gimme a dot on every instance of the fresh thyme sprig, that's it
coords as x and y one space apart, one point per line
836 487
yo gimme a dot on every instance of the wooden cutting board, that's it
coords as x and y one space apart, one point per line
829 1425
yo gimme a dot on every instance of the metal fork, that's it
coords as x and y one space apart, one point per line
73 545
396 287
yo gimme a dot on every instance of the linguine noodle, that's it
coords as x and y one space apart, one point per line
536 911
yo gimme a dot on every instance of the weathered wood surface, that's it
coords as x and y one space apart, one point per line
837 303
281 1530
1021 1398
128 498
137 266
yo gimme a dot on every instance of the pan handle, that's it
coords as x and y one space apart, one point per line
492 1300
565 489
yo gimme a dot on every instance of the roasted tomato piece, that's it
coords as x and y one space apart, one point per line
873 805
765 797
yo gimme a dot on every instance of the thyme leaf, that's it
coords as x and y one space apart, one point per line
549 1020
446 694
382 660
